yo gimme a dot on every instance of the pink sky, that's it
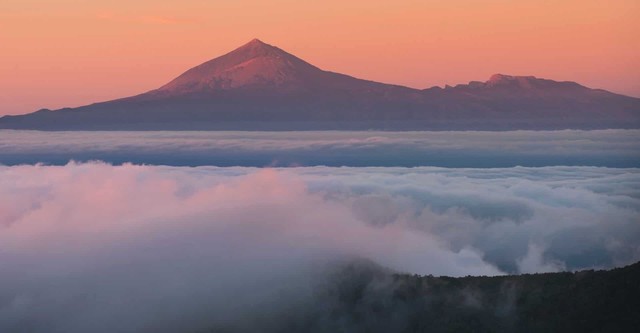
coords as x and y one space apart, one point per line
71 53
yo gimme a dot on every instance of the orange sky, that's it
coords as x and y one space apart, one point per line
73 52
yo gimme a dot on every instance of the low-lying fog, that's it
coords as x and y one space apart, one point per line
99 248
610 148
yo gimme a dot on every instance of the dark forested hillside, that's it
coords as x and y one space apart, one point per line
365 298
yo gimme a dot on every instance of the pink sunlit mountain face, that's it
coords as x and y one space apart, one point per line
259 68
254 66
261 87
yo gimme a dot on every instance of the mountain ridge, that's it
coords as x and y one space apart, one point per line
360 296
262 87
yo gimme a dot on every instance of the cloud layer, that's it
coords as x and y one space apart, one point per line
102 248
610 148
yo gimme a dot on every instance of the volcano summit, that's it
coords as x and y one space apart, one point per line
261 87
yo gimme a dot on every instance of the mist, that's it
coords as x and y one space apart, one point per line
93 247
607 148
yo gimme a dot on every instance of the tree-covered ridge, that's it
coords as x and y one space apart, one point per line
362 297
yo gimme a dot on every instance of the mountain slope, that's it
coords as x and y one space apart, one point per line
259 86
363 297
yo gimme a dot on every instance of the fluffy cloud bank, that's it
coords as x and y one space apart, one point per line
101 248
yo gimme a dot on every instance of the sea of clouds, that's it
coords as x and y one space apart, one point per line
93 247
610 148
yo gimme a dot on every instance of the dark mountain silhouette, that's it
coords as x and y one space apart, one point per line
261 87
363 297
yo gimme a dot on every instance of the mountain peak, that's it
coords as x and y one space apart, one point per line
521 83
256 65
256 44
260 86
255 49
532 83
497 79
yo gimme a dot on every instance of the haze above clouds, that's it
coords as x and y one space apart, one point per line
102 248
611 148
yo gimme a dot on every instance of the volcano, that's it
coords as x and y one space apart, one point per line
261 87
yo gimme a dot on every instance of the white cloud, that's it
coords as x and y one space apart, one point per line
95 247
612 148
